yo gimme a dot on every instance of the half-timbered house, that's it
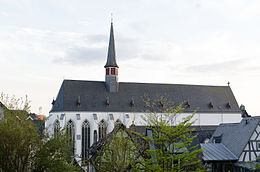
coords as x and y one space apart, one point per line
234 146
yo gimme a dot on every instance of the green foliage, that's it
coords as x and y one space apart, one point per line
117 154
13 103
170 146
166 148
24 148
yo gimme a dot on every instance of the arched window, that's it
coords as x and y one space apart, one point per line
85 139
95 136
56 128
71 134
102 130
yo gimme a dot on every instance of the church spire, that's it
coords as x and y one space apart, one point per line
112 84
111 55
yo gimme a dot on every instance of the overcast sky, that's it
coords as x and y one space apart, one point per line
205 42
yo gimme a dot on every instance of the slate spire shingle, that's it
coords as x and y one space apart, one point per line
111 55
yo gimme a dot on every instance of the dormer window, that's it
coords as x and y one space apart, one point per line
211 105
132 103
78 102
107 102
228 105
161 104
187 105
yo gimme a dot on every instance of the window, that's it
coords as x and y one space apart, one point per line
127 115
78 116
71 134
113 71
102 130
111 117
95 116
62 116
116 72
85 140
56 128
107 71
95 136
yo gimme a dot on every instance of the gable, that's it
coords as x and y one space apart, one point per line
236 136
252 148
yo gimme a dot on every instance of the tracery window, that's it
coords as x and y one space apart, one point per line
85 139
56 128
102 129
95 136
71 134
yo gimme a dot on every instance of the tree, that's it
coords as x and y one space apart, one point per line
24 148
170 146
164 147
117 152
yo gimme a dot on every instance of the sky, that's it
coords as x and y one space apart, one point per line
200 42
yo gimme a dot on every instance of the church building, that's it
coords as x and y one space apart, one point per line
90 109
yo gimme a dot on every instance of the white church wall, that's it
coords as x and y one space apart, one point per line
130 118
127 119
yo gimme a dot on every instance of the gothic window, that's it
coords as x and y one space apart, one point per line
85 139
71 134
56 128
95 136
102 130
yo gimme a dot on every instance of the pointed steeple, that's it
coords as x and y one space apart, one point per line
111 70
111 55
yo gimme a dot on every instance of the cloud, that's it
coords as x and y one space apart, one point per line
82 55
232 66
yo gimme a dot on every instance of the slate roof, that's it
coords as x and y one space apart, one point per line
217 152
111 56
235 136
93 97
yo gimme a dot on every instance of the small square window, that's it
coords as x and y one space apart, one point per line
127 115
95 116
111 117
62 116
78 116
78 137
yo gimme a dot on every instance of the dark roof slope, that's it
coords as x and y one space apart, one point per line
111 55
217 152
235 136
94 97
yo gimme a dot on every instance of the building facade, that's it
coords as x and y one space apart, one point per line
90 109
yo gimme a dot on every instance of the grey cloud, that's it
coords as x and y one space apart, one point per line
82 55
99 38
227 66
95 50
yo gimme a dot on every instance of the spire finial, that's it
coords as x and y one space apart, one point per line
111 17
228 83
